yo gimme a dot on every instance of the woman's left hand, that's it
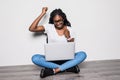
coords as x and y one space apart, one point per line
67 33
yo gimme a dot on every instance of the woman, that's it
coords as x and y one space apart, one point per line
58 30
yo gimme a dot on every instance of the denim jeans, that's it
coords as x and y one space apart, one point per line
62 65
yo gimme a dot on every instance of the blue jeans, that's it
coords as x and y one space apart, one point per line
62 65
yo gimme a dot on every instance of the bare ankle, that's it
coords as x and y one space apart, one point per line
56 70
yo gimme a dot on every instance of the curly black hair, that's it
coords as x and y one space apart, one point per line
60 13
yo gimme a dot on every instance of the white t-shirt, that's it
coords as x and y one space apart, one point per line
53 35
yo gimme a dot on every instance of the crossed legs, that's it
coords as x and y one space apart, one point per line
40 61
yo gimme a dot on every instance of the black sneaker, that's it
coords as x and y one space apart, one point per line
46 72
74 69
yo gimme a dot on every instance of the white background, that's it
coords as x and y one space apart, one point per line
96 23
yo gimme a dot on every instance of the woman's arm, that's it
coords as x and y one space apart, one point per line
67 35
34 26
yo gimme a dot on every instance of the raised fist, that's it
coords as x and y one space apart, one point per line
44 10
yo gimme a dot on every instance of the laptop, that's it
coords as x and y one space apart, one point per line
59 51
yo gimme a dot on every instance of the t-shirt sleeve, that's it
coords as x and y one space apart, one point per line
46 26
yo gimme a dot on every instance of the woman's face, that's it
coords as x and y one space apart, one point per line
58 22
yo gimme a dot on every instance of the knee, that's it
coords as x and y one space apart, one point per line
35 58
82 54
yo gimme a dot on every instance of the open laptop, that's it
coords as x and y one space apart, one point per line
59 51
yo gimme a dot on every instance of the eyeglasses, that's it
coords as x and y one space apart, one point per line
58 21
